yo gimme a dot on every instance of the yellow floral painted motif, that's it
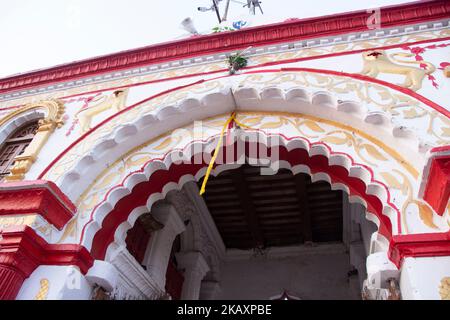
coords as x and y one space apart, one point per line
444 288
365 150
43 290
425 211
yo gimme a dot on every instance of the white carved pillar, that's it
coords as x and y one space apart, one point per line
133 281
195 268
158 252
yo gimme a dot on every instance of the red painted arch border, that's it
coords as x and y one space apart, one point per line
418 245
160 178
406 91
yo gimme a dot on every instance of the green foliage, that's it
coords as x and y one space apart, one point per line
236 62
221 29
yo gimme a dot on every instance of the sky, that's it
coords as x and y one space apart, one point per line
39 34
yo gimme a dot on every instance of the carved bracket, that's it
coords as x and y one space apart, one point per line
36 198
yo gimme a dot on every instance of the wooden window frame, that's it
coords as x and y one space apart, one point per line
13 140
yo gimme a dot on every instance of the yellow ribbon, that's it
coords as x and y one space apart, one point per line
216 152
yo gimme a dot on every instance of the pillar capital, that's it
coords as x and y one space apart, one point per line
39 197
19 256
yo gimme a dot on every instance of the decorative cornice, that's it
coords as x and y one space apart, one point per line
302 29
25 240
36 197
22 250
418 245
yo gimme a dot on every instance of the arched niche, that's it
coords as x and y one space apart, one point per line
49 113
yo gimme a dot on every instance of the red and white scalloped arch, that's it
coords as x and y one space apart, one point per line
137 193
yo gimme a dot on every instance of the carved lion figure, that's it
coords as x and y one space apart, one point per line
444 288
377 61
115 101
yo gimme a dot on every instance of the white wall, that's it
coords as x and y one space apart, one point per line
315 275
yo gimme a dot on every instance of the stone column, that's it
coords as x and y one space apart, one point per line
195 268
158 252
17 261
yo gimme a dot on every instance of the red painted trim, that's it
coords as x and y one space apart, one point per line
36 197
405 14
24 237
22 251
343 53
406 91
440 149
267 64
401 246
142 191
273 63
108 119
399 229
8 108
437 190
418 245
358 76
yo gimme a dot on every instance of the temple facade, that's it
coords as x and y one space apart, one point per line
308 159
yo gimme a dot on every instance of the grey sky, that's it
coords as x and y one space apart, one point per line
38 34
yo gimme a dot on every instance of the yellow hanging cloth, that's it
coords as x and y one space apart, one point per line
216 152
